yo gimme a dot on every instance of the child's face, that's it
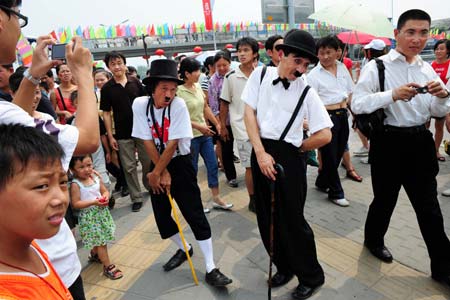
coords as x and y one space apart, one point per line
83 169
34 202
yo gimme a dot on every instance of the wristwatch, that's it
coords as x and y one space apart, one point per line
28 76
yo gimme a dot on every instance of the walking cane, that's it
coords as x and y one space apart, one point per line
186 250
280 175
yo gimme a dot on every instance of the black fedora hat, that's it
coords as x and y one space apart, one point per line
301 42
163 69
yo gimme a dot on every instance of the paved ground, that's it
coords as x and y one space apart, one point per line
351 272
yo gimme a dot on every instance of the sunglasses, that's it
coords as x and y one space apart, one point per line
23 20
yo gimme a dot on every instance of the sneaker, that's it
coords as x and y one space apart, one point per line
364 160
233 183
136 206
217 279
363 151
206 210
341 202
226 206
446 193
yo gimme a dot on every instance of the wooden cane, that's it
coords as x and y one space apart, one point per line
186 250
280 174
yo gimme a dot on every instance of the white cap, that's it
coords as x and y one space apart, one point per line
376 44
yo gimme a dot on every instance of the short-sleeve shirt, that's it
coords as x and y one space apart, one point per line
443 70
195 102
331 89
66 135
26 286
177 124
232 88
119 99
274 107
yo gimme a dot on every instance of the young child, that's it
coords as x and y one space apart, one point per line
33 200
89 194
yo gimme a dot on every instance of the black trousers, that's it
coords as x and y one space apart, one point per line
227 156
409 160
186 193
294 245
77 289
331 155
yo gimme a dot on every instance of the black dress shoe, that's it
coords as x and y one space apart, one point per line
445 280
280 279
304 292
176 260
381 252
124 191
136 206
217 279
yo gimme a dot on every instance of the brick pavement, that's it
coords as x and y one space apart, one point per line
351 272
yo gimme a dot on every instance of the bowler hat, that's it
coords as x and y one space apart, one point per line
300 42
163 69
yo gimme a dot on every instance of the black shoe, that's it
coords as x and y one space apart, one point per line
117 188
445 280
112 202
124 191
251 205
217 279
177 259
303 291
381 253
136 206
280 279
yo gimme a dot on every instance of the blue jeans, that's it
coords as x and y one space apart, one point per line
203 145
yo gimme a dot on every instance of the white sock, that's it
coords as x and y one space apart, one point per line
176 238
207 249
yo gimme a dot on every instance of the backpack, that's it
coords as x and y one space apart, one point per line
372 123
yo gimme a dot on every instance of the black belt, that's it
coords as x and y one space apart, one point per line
337 112
405 130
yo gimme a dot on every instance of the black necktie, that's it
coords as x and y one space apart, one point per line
284 81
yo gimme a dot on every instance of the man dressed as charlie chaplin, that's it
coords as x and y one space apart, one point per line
162 121
275 128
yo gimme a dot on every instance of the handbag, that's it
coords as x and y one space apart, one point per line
372 123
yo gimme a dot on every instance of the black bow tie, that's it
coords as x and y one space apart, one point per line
284 81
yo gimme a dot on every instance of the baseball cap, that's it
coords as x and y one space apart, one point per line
376 44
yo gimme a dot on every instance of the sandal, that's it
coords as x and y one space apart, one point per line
112 272
354 176
93 257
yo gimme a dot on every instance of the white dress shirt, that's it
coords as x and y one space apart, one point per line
331 89
368 98
275 105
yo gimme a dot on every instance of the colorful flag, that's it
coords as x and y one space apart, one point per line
24 50
63 37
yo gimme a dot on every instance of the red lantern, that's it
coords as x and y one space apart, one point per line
159 52
197 49
229 46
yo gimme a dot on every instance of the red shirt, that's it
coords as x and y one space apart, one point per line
441 70
348 63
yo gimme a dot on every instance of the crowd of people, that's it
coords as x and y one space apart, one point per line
60 142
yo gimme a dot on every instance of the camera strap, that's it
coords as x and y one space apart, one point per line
62 98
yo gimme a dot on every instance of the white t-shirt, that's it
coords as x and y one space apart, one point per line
177 125
233 85
331 89
274 107
67 135
61 248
